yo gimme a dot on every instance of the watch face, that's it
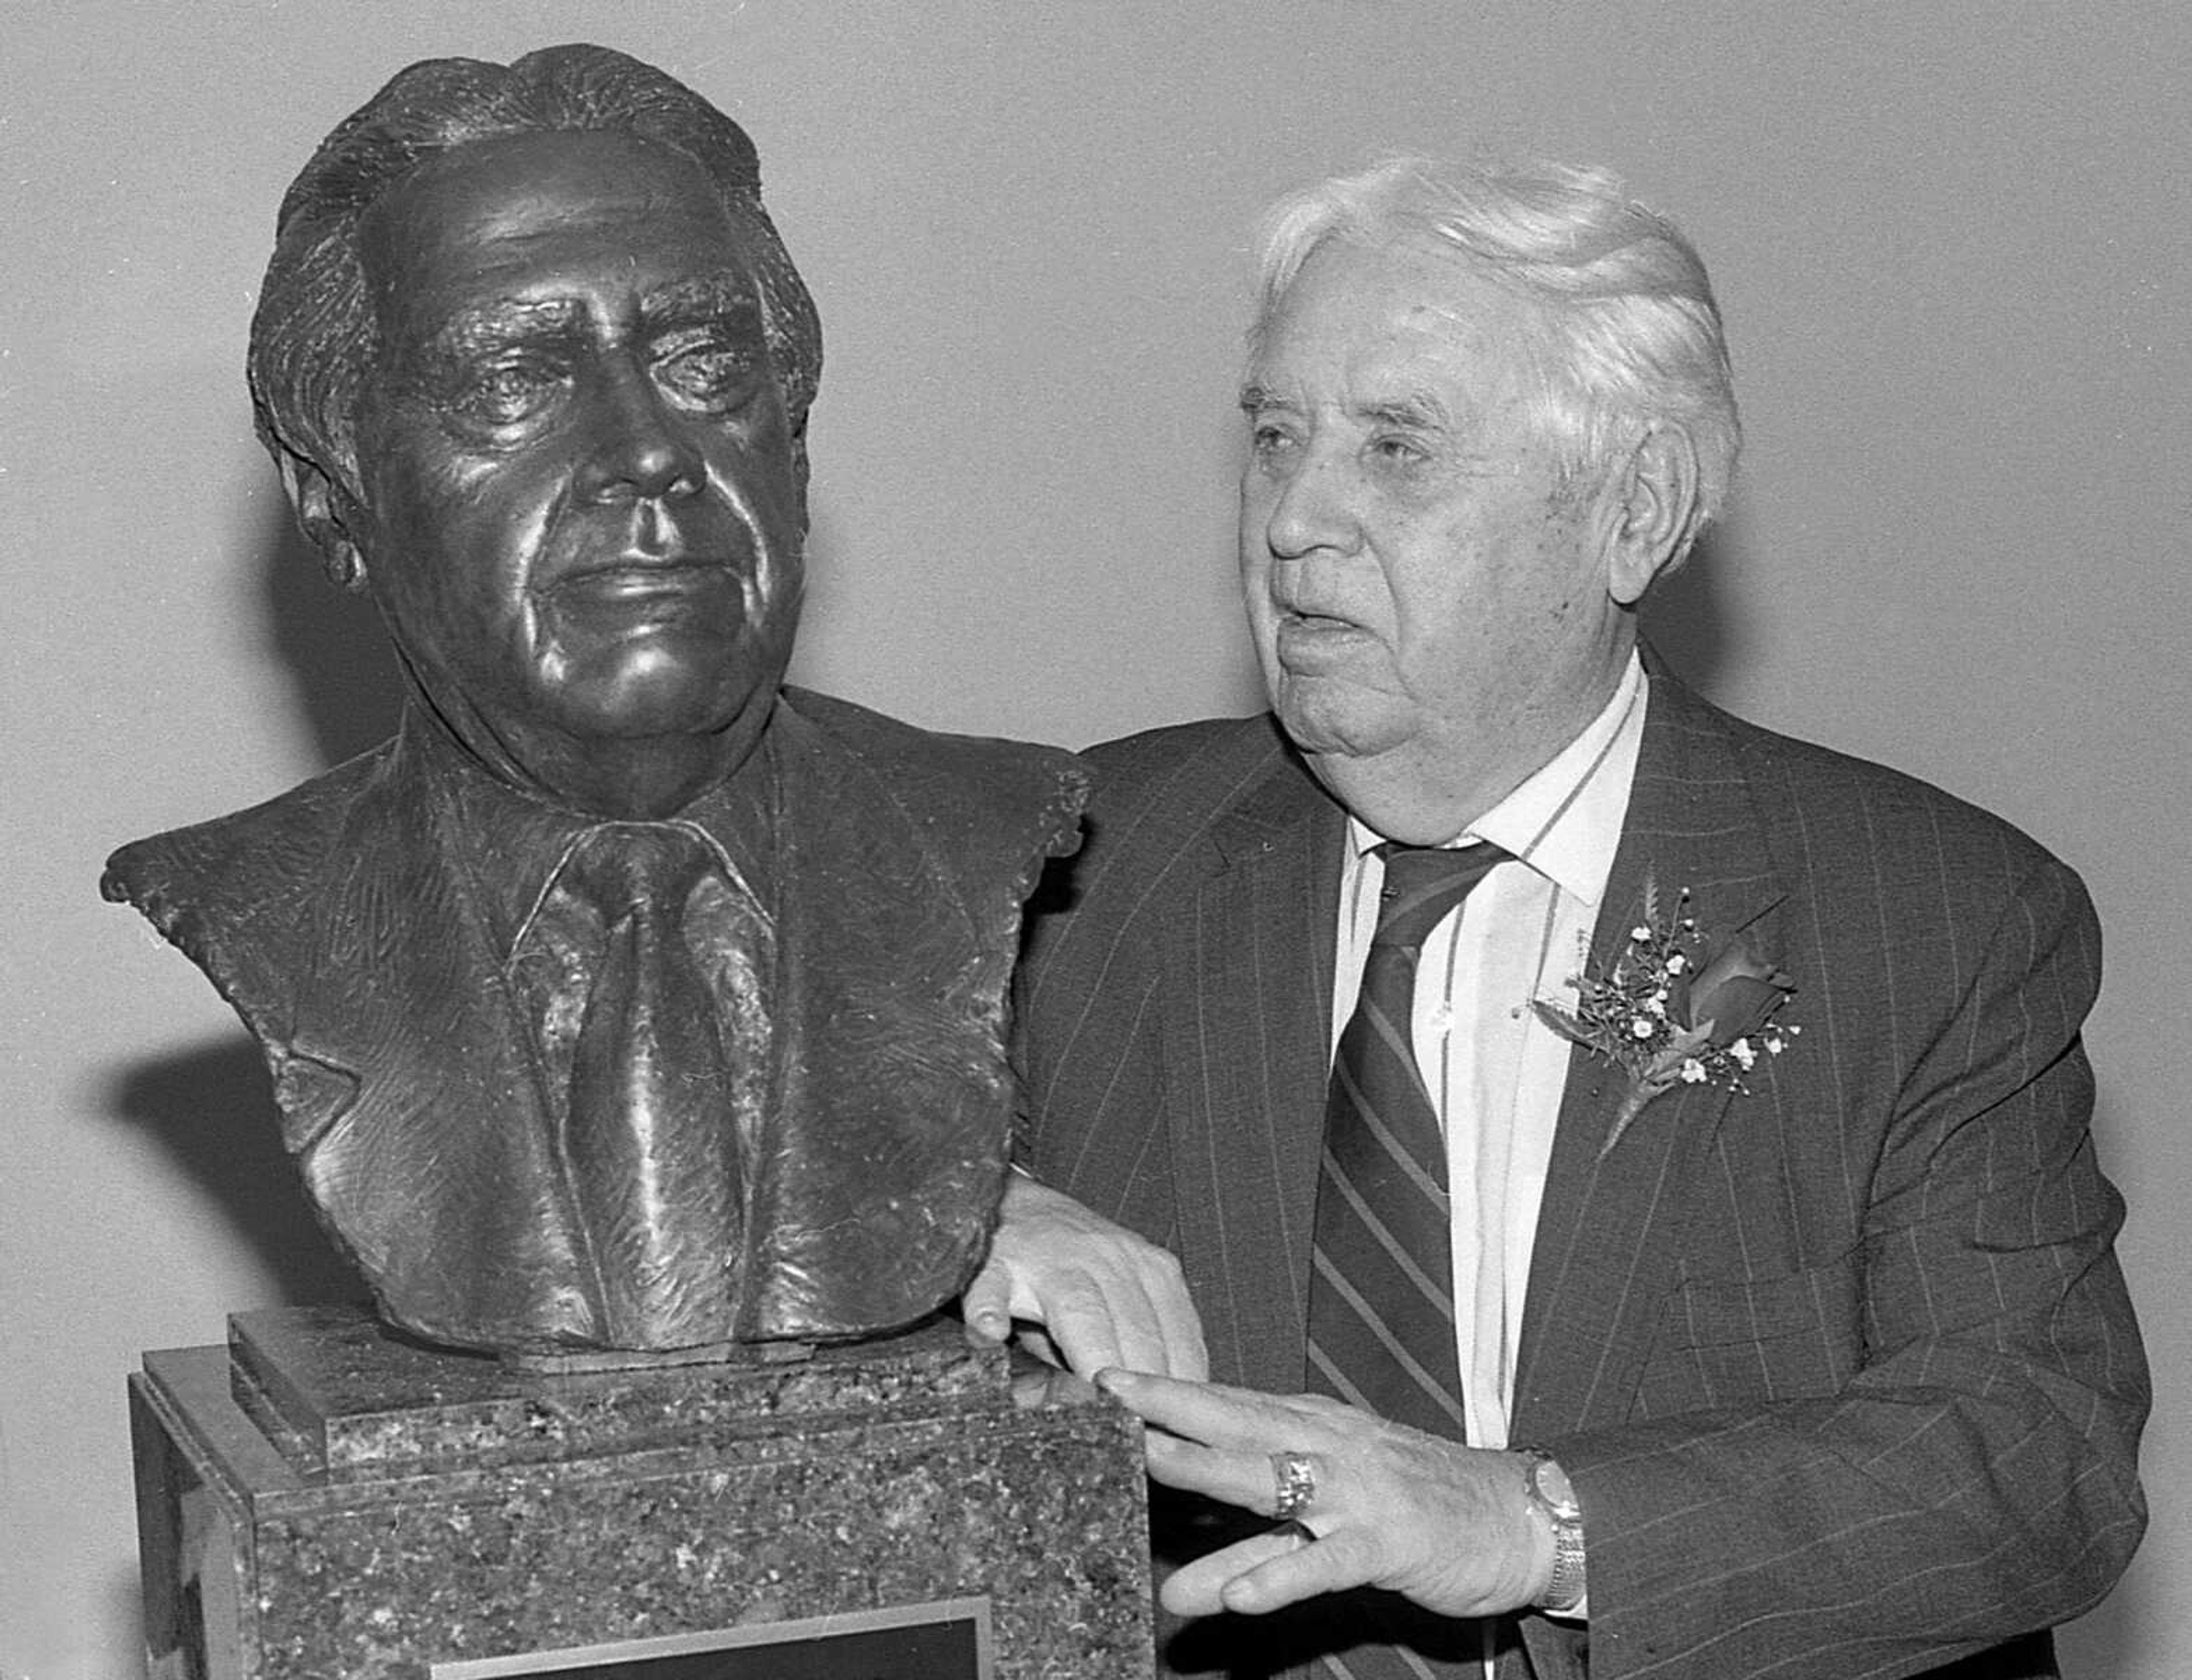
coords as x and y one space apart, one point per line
1553 1486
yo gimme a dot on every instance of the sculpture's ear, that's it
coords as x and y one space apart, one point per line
320 507
799 466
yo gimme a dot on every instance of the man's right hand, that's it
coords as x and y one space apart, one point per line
1103 1295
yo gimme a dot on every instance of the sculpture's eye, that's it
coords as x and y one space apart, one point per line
708 374
508 392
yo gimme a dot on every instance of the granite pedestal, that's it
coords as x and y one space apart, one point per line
319 1501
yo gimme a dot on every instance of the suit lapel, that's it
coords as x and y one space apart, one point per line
411 1096
889 1125
1611 1226
1247 1032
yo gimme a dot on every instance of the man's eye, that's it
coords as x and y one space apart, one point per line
1269 440
509 393
1396 451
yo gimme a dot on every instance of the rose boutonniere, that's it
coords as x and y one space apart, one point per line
1677 1008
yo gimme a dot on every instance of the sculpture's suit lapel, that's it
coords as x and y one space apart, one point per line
1246 1037
401 1020
913 1073
1610 1226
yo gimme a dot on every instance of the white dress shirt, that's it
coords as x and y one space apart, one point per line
1495 1071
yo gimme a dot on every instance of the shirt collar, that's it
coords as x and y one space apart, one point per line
1564 820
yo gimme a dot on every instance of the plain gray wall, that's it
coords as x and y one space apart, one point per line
1952 242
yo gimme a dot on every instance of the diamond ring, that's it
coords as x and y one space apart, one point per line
1296 1477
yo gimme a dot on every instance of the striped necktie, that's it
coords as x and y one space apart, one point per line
1381 1331
1381 1325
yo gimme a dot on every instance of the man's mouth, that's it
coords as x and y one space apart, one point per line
1296 621
1306 642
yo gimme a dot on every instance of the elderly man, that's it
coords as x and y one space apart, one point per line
625 1004
1658 1146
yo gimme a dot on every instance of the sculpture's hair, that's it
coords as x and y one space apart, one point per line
1628 334
314 334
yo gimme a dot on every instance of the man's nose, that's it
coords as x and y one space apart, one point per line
641 448
1311 507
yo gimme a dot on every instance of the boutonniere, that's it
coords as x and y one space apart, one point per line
1676 1007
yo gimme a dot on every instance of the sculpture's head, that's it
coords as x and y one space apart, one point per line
535 369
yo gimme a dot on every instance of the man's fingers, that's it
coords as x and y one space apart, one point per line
1245 1479
986 1308
1267 1572
1218 1416
1186 1356
1198 1589
1297 1572
1087 1331
1107 1297
1135 1315
1160 1331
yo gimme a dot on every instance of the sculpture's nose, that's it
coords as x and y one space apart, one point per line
638 448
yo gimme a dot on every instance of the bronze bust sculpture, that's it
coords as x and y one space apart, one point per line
626 999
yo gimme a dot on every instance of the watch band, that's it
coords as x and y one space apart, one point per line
1553 1498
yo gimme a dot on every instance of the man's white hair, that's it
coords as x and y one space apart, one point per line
1629 334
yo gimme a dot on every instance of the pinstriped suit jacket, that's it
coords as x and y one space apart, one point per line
1843 1369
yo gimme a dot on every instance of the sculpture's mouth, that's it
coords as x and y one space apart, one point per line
622 580
627 598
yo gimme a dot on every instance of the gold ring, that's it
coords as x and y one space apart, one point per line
1296 1477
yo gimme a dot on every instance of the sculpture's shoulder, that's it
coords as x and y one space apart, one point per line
972 799
218 889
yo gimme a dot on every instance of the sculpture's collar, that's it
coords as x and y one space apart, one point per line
508 844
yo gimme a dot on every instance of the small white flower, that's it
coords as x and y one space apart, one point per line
1746 1058
1694 1071
1641 1027
1677 962
1640 933
1657 1002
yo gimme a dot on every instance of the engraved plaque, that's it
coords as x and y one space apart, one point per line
944 1641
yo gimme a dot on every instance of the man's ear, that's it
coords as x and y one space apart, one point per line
321 507
1655 515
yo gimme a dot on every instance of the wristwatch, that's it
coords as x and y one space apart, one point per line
1553 1498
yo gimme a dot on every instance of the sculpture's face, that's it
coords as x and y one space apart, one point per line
582 521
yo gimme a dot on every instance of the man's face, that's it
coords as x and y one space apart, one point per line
1419 581
581 519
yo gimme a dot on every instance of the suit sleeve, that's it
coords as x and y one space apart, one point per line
1967 1473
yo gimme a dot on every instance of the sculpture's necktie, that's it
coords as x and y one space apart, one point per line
1381 1325
651 1139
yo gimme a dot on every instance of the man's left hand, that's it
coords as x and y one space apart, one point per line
1446 1525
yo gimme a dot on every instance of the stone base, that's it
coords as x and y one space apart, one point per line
321 1501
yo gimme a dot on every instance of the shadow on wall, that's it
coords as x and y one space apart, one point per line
212 1108
348 685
